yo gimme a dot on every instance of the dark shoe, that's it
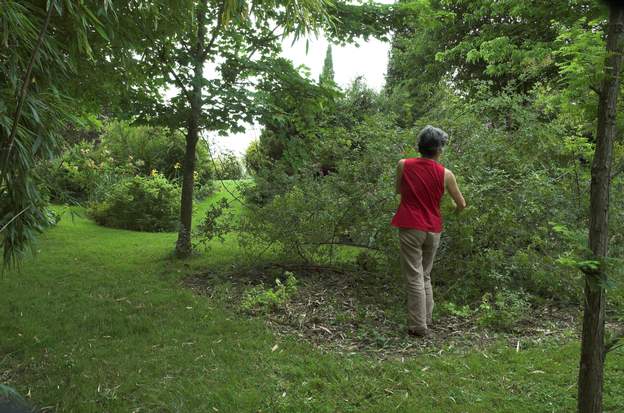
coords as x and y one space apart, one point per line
418 333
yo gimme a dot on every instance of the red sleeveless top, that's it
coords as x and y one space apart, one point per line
422 187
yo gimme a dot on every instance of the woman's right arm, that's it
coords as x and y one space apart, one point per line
453 189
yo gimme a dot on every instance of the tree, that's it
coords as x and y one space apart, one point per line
327 75
63 58
253 158
593 349
212 60
506 43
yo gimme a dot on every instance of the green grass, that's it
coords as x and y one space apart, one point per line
98 321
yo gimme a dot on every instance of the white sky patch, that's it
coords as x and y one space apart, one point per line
365 58
369 61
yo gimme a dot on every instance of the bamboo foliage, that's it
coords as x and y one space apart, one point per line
39 44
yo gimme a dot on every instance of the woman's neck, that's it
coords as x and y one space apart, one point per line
432 158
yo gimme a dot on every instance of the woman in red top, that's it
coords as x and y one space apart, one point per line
421 182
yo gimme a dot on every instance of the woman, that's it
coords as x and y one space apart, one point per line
421 182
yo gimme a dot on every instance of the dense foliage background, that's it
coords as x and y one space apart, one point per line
513 83
514 86
104 111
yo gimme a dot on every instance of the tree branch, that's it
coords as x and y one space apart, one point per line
253 50
14 218
220 176
594 89
345 244
215 31
180 84
171 71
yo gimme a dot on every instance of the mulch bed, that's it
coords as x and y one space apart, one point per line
358 313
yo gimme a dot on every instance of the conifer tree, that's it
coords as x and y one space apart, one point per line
327 75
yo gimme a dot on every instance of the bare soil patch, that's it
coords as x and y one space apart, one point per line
357 312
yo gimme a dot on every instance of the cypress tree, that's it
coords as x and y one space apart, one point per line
327 75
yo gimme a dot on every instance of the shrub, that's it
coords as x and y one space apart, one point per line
228 166
218 221
350 206
461 311
72 176
203 191
88 169
367 261
255 159
145 148
140 203
335 184
269 299
503 310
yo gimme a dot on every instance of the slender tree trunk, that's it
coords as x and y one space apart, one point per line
184 246
592 346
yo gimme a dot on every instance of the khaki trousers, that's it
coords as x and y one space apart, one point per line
418 249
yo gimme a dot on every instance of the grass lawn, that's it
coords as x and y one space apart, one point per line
99 321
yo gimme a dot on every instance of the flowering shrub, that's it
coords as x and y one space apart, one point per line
72 176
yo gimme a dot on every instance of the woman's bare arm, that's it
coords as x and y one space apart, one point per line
450 183
399 176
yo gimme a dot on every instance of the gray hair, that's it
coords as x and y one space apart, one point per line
431 141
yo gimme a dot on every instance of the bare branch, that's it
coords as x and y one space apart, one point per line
14 218
346 244
180 84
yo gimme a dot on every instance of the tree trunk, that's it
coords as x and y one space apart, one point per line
184 246
592 343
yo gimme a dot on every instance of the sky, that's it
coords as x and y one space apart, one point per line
368 59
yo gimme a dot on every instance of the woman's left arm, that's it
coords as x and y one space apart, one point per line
399 176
